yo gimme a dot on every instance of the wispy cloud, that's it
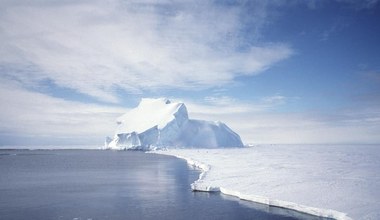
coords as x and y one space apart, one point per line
214 107
41 117
256 124
98 47
339 24
360 5
30 114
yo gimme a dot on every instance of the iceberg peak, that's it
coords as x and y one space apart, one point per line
162 123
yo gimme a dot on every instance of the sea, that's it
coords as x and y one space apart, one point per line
117 185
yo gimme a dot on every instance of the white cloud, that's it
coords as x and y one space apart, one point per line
41 117
218 105
29 114
256 124
97 47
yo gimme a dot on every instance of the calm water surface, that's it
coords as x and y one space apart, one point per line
92 184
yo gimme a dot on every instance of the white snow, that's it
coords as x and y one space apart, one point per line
149 113
162 123
341 182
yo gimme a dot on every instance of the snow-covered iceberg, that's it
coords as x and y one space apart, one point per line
162 123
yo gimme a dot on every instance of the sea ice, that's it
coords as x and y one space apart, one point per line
342 182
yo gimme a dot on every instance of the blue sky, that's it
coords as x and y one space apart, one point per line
274 71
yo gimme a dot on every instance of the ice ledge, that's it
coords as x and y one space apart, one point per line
199 185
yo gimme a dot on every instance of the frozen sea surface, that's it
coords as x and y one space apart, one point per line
337 181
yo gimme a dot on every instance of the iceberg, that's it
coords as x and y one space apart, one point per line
158 123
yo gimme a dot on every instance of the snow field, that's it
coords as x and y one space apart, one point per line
340 182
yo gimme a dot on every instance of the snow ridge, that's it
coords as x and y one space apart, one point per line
199 185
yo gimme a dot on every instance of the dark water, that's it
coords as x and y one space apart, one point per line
91 184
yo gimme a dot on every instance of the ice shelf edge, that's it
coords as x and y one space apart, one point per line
198 186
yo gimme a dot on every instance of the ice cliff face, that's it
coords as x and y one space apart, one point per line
161 123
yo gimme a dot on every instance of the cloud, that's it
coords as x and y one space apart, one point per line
256 124
361 5
29 118
352 4
99 47
338 25
40 117
213 107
